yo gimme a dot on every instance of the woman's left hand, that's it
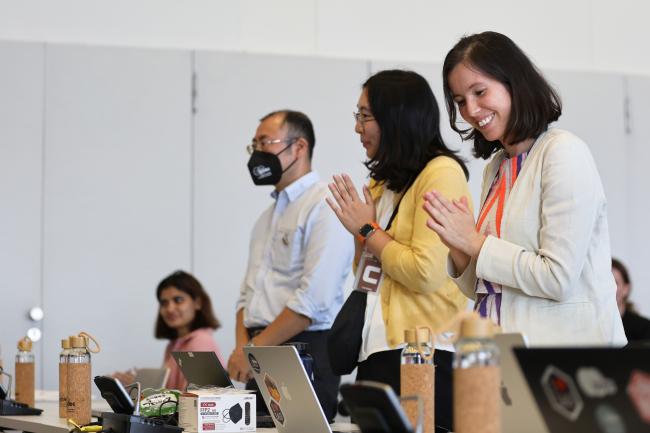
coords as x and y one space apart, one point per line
352 211
454 223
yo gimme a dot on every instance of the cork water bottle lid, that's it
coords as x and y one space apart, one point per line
25 344
476 327
77 342
65 343
412 336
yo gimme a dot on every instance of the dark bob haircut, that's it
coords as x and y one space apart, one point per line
408 117
620 267
298 126
535 104
185 282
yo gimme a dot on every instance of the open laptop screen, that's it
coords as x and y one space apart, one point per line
203 369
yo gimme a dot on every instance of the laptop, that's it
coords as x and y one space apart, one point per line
202 369
287 390
151 377
518 408
590 390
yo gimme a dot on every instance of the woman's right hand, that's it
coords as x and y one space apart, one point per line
454 224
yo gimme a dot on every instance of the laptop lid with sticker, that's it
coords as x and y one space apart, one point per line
518 406
590 389
287 390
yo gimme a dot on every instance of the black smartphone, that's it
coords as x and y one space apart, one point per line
374 407
115 394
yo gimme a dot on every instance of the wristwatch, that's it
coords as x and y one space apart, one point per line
367 230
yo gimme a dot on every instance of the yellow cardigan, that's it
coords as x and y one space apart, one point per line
416 290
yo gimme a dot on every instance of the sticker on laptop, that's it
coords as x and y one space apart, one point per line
277 412
594 384
609 420
638 389
272 387
254 364
562 393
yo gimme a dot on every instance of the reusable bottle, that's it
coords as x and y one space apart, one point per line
63 377
477 377
78 381
25 375
417 376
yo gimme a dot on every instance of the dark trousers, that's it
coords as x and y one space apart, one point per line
326 383
385 367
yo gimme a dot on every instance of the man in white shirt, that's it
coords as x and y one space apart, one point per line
299 257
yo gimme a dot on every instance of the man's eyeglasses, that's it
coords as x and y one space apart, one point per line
261 144
362 117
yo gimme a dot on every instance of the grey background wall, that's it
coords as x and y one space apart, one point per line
112 174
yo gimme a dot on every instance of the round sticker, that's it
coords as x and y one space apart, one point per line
609 420
254 364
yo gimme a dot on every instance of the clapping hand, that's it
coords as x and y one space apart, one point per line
454 223
351 210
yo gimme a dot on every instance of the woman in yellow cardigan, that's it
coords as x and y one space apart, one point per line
402 268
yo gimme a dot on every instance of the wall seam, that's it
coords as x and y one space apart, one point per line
41 368
193 111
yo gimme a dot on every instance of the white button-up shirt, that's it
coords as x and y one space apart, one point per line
300 255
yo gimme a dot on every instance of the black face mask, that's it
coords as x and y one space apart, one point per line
265 168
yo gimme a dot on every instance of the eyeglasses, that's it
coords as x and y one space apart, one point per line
362 117
261 144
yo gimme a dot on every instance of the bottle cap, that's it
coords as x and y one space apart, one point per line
25 344
65 343
77 342
476 327
412 336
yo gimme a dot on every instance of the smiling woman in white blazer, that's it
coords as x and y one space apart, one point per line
538 259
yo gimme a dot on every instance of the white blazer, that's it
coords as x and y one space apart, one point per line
553 259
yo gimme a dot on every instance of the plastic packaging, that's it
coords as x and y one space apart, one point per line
417 376
158 402
477 377
25 374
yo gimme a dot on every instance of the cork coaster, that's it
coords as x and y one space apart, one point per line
477 403
418 379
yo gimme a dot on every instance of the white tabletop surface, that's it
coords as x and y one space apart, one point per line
49 421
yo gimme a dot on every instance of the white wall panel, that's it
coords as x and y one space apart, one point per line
21 152
421 30
117 196
636 176
593 109
234 92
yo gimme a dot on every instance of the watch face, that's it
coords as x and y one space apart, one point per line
365 230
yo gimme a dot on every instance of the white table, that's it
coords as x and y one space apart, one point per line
49 421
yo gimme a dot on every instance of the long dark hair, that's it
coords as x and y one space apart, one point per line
535 104
407 113
620 267
185 282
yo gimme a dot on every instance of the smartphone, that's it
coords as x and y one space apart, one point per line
115 394
374 407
